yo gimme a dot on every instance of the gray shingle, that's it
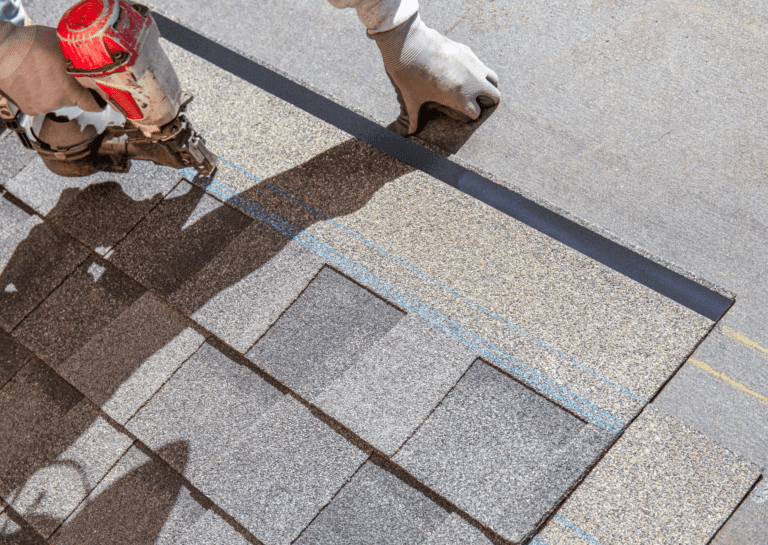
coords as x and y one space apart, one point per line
456 531
34 259
121 366
501 452
283 471
375 507
12 357
45 191
260 274
177 239
55 446
386 395
208 404
132 504
210 529
323 333
94 295
13 533
13 156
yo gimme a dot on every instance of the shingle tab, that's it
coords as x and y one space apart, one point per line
393 387
501 452
375 508
659 479
260 274
89 299
284 469
456 531
121 366
132 504
55 446
98 209
177 239
208 405
34 259
323 333
12 357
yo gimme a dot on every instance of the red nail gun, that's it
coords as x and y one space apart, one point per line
112 48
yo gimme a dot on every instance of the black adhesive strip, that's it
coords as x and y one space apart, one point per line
680 289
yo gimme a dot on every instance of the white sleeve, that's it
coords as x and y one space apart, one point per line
380 15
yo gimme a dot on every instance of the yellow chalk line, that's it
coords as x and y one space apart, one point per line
741 338
725 378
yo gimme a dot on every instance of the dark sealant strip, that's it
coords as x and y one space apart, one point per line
673 285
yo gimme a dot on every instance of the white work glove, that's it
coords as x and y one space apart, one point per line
33 71
425 66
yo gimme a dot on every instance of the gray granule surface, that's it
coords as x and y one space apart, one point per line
18 534
177 239
456 531
89 299
659 479
34 259
208 404
326 330
375 508
255 279
134 503
64 197
12 357
484 449
395 384
210 529
141 330
13 156
284 469
55 447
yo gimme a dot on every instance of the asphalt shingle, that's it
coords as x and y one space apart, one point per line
142 500
456 531
124 364
94 295
55 446
13 156
15 532
249 285
375 508
208 404
177 239
98 209
323 333
659 479
395 384
501 452
12 357
210 529
284 469
34 259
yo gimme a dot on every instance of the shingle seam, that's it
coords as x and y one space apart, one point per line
523 372
422 274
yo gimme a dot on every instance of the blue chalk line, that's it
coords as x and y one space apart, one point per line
416 271
582 533
516 367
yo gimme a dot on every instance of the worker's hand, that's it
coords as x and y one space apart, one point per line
33 72
424 66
